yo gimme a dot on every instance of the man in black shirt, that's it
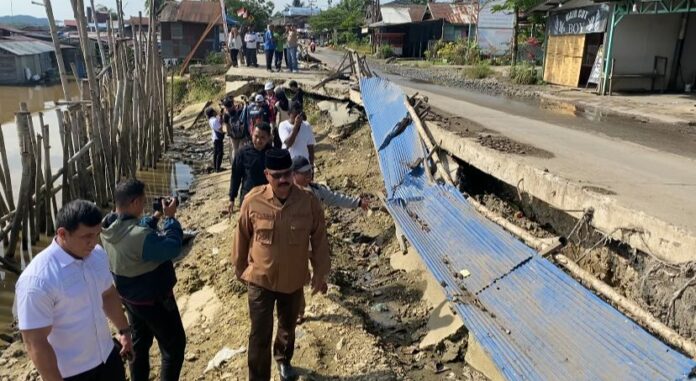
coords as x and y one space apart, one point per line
297 93
249 164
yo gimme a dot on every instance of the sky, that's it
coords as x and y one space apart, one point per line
62 9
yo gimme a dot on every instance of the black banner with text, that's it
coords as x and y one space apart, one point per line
579 20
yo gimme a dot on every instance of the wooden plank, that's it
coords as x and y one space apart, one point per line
564 59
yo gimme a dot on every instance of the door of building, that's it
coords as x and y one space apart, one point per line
564 58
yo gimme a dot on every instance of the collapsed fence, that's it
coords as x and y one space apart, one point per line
119 124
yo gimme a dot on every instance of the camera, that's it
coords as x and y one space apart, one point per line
157 204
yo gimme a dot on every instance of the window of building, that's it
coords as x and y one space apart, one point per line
177 31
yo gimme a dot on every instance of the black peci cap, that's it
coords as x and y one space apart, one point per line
278 159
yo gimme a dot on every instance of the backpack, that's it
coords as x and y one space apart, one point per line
235 126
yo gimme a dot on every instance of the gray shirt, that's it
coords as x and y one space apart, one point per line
333 198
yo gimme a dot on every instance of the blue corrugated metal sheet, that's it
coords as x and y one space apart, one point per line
533 320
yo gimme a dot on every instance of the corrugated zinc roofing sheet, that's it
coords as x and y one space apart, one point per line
26 47
532 319
201 12
455 13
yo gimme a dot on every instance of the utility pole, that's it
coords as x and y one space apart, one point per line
56 45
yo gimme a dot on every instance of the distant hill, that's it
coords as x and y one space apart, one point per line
22 20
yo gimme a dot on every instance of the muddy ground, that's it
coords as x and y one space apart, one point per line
368 326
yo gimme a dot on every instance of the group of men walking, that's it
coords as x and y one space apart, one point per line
279 43
99 266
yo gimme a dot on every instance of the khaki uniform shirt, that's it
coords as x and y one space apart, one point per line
270 247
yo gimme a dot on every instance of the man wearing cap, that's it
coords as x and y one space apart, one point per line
272 103
277 223
256 112
303 176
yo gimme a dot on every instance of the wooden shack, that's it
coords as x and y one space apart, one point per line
24 61
183 23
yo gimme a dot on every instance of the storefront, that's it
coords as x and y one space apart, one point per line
575 37
631 45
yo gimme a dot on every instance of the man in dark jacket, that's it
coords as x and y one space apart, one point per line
140 258
248 165
256 112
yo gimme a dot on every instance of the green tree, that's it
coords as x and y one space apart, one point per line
346 16
514 6
259 11
158 4
298 4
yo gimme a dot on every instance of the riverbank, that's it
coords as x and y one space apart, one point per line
676 109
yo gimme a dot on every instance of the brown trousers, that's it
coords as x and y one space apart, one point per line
261 305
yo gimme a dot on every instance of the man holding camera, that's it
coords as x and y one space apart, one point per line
141 264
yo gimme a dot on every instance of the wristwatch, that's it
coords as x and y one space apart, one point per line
125 331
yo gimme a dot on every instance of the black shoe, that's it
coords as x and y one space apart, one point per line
287 372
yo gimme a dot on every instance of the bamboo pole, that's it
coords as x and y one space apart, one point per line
98 125
5 180
6 166
102 53
51 204
22 122
40 211
428 141
56 45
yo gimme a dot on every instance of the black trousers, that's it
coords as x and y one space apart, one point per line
278 59
250 57
218 151
269 59
160 321
262 302
287 60
111 370
234 53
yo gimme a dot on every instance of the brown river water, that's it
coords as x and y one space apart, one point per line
168 177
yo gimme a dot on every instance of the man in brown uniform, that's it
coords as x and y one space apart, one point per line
277 222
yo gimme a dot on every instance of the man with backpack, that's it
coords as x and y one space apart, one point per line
232 119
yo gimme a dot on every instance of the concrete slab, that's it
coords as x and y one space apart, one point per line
257 73
237 88
623 215
340 114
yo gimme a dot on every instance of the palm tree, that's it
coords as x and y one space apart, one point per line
157 4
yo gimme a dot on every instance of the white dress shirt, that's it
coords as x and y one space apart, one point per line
65 293
304 138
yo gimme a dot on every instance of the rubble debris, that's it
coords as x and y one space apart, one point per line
223 356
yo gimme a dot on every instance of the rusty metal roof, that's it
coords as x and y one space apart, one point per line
459 13
400 13
135 20
191 11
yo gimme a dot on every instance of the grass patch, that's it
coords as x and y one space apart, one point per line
478 71
363 48
523 74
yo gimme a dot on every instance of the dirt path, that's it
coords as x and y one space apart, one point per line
368 326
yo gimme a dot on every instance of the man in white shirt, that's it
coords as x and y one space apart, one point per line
250 44
63 300
297 135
